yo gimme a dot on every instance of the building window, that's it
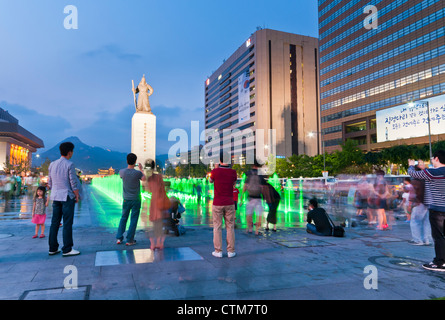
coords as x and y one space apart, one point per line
360 140
355 127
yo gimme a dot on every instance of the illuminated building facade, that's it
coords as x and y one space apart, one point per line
106 172
16 143
269 82
375 56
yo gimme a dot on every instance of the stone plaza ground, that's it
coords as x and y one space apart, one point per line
289 264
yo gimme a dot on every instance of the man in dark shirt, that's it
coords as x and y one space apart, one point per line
318 215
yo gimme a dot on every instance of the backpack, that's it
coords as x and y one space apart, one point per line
337 231
254 185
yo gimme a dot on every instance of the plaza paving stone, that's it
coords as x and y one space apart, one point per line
287 265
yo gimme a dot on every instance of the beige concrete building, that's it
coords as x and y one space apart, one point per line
269 82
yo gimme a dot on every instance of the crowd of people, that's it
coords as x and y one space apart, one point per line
377 201
13 185
423 201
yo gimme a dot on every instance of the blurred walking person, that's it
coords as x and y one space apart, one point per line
159 204
223 178
408 193
131 187
7 187
420 223
381 196
64 185
254 186
361 196
435 199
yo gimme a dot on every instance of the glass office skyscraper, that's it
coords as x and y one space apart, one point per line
375 55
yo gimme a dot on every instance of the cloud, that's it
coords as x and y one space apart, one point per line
112 51
169 119
110 130
113 130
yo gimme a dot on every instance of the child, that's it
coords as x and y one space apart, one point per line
235 196
39 211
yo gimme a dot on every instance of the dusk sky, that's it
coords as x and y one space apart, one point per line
60 83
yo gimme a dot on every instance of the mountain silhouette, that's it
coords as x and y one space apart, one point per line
86 158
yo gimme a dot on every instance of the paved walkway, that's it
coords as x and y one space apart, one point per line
287 265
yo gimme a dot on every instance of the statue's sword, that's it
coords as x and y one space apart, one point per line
134 96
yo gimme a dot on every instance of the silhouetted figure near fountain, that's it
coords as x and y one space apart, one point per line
322 225
272 198
198 189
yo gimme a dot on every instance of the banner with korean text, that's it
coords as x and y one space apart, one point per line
411 120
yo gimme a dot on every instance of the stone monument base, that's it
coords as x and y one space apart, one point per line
143 136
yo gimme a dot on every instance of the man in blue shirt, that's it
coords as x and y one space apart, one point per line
64 185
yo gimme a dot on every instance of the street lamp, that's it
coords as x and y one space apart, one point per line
412 104
429 128
311 135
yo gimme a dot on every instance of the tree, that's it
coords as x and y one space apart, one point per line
181 171
170 171
350 155
45 166
241 168
19 168
439 145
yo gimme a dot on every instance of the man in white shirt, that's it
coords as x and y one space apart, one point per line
64 185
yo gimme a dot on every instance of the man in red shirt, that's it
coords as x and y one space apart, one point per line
223 177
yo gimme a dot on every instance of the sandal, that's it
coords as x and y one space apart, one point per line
42 236
34 236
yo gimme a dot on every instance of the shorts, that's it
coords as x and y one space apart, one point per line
255 204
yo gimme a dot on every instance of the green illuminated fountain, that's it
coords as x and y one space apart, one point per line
292 195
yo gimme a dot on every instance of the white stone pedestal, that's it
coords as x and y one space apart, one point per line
143 136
